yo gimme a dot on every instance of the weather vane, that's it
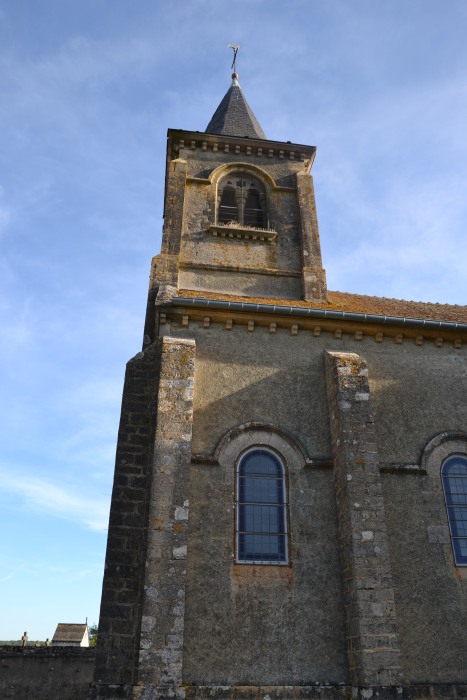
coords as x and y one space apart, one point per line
235 50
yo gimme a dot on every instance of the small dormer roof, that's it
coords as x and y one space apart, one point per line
234 116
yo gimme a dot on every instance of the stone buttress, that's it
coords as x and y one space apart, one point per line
142 609
372 638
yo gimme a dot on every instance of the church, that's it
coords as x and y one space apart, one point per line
289 509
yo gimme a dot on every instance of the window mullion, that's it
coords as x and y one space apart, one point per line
240 197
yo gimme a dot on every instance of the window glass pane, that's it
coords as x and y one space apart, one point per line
262 548
456 494
257 490
259 462
261 519
458 521
455 489
460 549
455 466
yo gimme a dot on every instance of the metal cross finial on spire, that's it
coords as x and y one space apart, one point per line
235 50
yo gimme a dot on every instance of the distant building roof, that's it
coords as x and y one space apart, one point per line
357 303
72 633
234 116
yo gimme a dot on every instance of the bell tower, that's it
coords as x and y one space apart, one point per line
239 212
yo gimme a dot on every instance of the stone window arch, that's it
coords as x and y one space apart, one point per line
237 444
241 199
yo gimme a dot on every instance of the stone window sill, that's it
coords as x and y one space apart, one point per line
247 233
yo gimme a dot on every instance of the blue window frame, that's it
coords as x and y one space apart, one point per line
261 517
454 476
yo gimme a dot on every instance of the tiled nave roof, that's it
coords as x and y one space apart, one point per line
357 303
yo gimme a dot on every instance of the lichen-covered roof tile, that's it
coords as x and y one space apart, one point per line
357 303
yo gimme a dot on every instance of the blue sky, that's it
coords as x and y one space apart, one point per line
88 89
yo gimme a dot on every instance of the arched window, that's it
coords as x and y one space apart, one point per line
261 518
454 476
241 200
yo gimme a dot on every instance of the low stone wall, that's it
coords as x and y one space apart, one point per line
319 691
52 673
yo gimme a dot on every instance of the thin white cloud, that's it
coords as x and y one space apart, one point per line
12 573
53 500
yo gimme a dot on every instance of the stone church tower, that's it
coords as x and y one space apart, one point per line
289 510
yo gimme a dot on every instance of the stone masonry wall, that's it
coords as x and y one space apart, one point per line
65 674
241 377
314 277
53 673
120 616
160 659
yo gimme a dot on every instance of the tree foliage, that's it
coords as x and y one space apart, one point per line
93 635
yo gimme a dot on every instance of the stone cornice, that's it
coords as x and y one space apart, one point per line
315 321
180 140
325 314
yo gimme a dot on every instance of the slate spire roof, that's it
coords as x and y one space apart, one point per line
234 116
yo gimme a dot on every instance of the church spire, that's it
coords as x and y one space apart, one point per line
234 116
